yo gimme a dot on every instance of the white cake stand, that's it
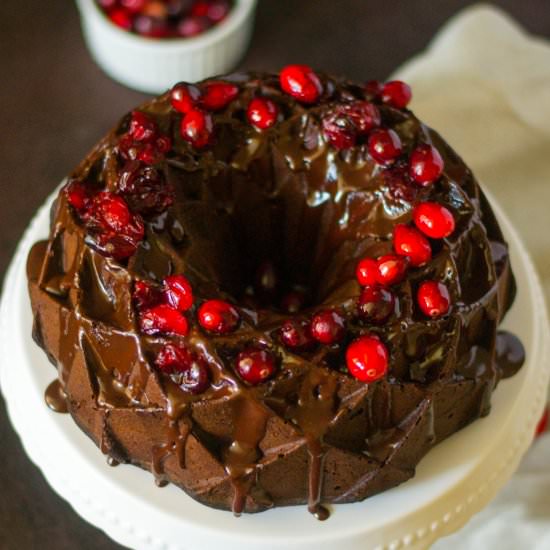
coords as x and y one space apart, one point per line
456 480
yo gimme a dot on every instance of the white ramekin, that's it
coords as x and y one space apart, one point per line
154 65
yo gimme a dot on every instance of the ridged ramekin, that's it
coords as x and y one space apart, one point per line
154 65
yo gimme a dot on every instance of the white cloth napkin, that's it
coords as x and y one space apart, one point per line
519 518
484 84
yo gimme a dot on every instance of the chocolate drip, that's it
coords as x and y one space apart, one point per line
510 353
311 433
242 456
174 446
113 462
56 398
104 441
316 468
158 456
313 413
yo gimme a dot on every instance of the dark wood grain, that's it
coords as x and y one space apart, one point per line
55 103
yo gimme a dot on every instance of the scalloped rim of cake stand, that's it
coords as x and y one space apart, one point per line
451 485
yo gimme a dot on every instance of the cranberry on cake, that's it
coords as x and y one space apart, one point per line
274 289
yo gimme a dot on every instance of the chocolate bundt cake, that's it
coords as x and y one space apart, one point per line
273 290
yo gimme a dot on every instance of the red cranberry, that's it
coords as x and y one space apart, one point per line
296 334
117 231
344 123
426 164
163 319
153 27
409 242
376 304
133 6
120 247
391 269
163 144
178 293
184 97
384 145
146 295
193 26
255 366
301 82
145 188
542 426
186 368
77 195
262 113
293 301
434 220
218 95
218 317
218 10
328 327
200 9
197 128
433 298
339 130
127 147
367 272
374 88
142 127
396 93
398 185
148 154
367 359
121 18
109 212
364 115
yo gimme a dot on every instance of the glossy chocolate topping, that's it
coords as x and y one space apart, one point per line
284 198
56 398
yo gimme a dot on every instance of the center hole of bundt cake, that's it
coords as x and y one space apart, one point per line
276 239
272 236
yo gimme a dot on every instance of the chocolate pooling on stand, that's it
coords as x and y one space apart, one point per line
273 290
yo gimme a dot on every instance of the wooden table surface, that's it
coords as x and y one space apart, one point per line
55 103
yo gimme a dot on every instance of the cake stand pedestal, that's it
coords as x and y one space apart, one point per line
455 480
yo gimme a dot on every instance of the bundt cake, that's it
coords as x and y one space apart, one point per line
273 289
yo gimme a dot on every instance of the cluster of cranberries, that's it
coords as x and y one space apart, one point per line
166 18
140 149
366 357
107 217
345 124
196 105
412 248
342 126
115 219
144 141
163 311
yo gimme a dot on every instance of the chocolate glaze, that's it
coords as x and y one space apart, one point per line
312 434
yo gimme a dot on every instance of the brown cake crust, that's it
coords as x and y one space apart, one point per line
312 433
